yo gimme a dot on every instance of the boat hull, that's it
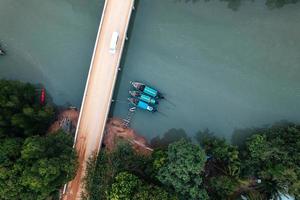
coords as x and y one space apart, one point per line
141 104
143 97
147 90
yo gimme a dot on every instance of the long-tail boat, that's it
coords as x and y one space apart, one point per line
141 104
143 97
43 96
147 90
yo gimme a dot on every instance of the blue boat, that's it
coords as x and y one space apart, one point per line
142 105
143 97
147 90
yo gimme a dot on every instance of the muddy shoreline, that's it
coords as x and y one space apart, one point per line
67 119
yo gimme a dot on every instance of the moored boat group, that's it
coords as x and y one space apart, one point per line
144 97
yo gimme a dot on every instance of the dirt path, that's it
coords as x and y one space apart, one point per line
99 88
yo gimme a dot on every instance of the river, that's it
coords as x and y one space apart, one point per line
49 42
219 69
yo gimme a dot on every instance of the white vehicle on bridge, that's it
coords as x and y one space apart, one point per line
113 42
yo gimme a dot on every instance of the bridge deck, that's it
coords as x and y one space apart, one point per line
99 88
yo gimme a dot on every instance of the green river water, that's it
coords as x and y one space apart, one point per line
218 68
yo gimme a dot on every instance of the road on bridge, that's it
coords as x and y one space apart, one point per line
99 88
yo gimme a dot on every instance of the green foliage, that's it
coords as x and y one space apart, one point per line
124 186
31 167
182 170
224 157
150 192
159 159
128 186
258 146
223 165
254 195
89 179
36 167
99 177
240 136
121 174
270 154
10 150
273 156
102 172
222 187
169 137
20 113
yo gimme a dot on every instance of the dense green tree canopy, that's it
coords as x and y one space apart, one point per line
21 115
272 155
103 170
183 168
128 186
124 186
122 174
150 192
223 156
265 166
33 165
222 187
36 167
223 165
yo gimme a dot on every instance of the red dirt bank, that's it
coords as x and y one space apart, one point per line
115 130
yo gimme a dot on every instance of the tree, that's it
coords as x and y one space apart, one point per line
36 167
128 186
272 155
183 170
159 158
32 166
169 137
124 186
224 158
102 171
21 115
222 187
223 165
10 150
151 192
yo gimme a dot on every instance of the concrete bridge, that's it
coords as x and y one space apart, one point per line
99 88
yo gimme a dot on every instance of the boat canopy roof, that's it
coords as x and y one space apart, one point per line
150 91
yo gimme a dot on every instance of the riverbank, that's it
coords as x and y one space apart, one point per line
115 130
67 120
210 166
